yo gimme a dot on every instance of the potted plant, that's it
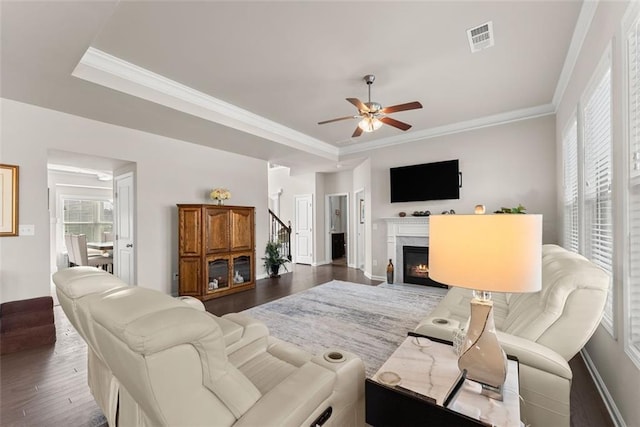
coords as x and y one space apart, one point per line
273 259
517 210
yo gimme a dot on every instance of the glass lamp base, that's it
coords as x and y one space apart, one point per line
482 356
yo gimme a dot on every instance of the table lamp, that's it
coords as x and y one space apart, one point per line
486 253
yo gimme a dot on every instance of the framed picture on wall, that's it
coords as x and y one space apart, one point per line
9 198
361 211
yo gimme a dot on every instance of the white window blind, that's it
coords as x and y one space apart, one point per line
633 195
570 165
598 212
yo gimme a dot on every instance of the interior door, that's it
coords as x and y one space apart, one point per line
359 240
123 245
303 229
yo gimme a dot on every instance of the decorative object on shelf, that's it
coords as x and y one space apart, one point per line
273 259
479 209
237 278
390 272
402 214
213 284
485 244
220 195
517 210
421 213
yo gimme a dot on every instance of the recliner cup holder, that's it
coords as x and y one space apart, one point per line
440 321
334 357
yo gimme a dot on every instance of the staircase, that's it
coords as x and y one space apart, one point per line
280 233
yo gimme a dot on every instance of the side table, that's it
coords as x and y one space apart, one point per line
423 371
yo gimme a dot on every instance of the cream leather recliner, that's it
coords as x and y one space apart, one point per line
544 329
155 360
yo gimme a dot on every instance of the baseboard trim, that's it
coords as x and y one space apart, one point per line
615 414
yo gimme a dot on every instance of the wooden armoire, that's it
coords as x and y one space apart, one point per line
216 250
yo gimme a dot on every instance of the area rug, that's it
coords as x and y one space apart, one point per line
370 321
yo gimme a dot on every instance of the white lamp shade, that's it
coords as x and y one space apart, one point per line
369 124
494 253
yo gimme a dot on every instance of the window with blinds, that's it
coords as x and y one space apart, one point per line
633 195
570 183
597 205
90 217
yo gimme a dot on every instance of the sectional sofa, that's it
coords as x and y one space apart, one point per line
154 360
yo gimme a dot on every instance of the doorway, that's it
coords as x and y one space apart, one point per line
337 228
84 184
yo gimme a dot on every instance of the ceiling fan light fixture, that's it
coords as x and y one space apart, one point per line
369 124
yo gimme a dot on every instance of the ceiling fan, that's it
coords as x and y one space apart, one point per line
373 114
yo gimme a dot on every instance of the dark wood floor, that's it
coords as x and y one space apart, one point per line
47 386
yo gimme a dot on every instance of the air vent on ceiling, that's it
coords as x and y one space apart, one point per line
480 37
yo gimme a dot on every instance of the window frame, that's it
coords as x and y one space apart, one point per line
604 66
631 19
92 198
572 124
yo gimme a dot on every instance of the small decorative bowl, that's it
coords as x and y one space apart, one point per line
402 214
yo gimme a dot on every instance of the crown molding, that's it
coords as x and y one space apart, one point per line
587 12
107 70
469 125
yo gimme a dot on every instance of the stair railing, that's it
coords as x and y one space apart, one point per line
279 232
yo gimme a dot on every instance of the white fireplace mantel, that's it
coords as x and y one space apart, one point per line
414 228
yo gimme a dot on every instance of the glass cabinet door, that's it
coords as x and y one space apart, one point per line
242 268
218 273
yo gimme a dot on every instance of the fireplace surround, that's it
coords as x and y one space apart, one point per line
406 231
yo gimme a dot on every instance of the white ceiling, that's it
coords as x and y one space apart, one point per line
288 65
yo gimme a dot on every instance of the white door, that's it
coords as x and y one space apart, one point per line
359 240
123 249
304 229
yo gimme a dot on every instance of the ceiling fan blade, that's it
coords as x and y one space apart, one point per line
359 105
337 120
395 123
357 132
402 107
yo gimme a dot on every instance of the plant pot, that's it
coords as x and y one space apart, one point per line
275 269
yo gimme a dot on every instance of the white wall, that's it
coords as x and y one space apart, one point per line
621 377
169 171
501 166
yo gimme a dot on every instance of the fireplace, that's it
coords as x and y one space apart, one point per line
415 266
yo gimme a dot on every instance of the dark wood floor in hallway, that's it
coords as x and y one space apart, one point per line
48 386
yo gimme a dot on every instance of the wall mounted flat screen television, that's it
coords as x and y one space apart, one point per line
429 181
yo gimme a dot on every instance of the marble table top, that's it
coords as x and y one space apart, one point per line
430 368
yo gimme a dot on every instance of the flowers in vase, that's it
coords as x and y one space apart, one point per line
220 194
